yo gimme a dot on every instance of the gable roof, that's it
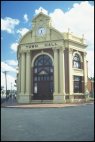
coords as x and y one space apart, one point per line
41 13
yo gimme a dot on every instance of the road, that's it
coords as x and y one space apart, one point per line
48 124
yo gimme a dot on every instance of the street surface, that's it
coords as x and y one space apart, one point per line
48 124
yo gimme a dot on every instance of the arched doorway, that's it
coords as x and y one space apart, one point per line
43 78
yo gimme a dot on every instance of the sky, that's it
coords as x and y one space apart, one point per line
16 20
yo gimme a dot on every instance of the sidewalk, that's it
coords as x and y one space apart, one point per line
11 103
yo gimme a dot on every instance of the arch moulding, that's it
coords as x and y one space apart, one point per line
76 52
42 53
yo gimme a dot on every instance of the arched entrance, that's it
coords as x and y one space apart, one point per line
43 78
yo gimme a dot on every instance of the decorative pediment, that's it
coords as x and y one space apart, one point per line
41 16
41 30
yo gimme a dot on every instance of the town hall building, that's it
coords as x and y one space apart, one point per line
52 65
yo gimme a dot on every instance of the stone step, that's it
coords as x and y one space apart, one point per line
42 101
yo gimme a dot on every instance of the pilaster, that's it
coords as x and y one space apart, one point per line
62 71
22 72
55 71
28 73
70 72
24 96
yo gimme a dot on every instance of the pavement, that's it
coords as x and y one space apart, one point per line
48 124
12 103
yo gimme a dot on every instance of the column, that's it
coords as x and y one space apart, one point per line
70 72
61 70
55 71
28 73
85 73
22 72
62 73
63 76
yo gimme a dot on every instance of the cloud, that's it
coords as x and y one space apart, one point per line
80 20
68 8
37 11
26 18
10 79
22 31
12 62
14 46
6 67
8 24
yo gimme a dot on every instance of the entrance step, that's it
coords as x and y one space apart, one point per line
41 101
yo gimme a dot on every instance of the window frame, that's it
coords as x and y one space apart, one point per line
77 83
77 61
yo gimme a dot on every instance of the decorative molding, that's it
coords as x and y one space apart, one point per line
22 52
41 53
27 51
70 50
77 52
54 49
61 49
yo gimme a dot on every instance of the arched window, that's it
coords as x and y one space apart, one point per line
76 61
43 63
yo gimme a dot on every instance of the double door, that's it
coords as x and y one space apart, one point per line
43 78
43 88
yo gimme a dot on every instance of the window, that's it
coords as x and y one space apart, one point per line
51 69
35 88
35 70
35 78
43 60
78 84
39 78
76 61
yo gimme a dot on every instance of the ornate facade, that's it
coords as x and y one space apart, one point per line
52 65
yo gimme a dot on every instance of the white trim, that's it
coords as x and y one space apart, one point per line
42 53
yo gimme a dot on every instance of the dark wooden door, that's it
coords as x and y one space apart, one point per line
43 90
43 78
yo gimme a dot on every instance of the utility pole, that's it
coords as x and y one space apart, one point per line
11 88
5 72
